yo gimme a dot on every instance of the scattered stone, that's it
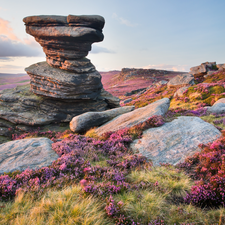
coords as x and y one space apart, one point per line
161 82
127 100
135 91
112 101
30 153
89 120
201 70
174 141
180 91
220 67
181 81
218 107
135 117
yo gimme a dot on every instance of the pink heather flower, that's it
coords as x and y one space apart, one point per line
120 204
87 169
84 183
63 166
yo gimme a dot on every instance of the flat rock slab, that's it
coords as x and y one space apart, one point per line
174 141
89 120
181 80
218 107
21 106
30 153
135 117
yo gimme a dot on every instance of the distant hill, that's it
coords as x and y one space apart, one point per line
116 82
128 79
8 80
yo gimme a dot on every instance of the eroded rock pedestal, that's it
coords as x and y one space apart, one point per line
66 84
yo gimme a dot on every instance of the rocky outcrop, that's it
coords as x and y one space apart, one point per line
30 153
89 120
66 41
174 141
201 70
135 117
218 107
181 81
21 106
67 84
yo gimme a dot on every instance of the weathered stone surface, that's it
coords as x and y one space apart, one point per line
161 82
65 38
21 106
202 69
136 91
135 117
220 66
181 81
180 91
218 107
89 120
80 66
30 153
127 100
174 141
56 83
112 101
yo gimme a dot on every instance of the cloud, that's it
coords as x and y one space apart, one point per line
6 30
97 49
124 21
11 48
168 67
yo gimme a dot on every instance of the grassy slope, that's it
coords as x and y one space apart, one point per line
161 200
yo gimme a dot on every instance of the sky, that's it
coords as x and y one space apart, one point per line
160 34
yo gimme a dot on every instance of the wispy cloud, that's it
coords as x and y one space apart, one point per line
124 21
168 67
5 29
12 46
97 49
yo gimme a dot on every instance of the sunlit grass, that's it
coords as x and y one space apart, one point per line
55 207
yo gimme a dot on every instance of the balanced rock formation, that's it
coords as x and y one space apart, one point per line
174 141
66 41
29 153
64 86
135 117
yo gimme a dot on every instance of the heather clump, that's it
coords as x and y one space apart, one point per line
76 153
200 95
151 95
208 169
40 133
